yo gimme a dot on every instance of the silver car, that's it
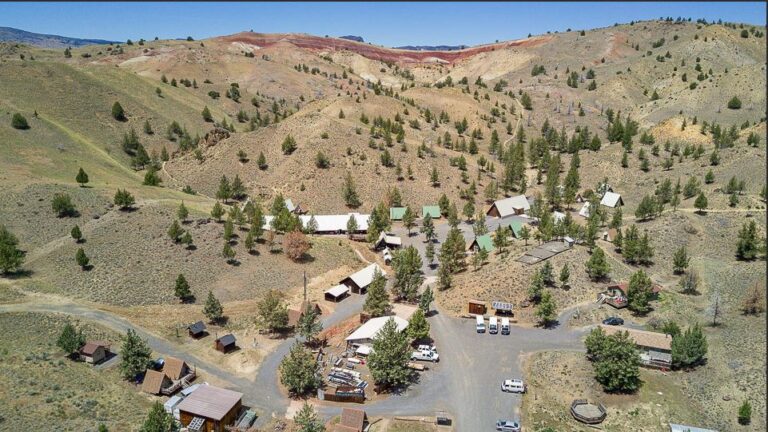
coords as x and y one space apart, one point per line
508 426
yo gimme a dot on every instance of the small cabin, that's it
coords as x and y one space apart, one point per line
477 307
197 330
94 352
225 343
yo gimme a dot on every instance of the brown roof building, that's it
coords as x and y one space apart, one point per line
655 348
210 409
94 351
175 369
352 420
155 382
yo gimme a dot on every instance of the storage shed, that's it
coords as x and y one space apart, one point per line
396 213
210 409
225 343
482 242
197 329
358 282
94 352
337 293
432 210
476 307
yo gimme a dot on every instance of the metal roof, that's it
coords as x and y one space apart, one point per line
371 328
432 210
174 368
516 226
328 223
641 337
210 402
337 291
396 213
507 206
364 277
484 242
611 199
227 339
683 428
197 327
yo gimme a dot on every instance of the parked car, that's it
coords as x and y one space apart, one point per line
505 326
425 355
480 324
493 325
508 426
513 386
427 348
613 321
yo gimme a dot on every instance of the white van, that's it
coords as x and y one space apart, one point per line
505 326
480 324
493 325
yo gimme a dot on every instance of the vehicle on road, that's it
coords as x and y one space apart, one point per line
508 426
513 386
505 326
425 355
480 324
493 325
613 321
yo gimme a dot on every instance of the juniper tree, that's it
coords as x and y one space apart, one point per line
597 265
11 258
418 327
62 205
639 292
70 339
426 299
76 234
135 355
298 370
118 113
82 177
181 289
217 212
212 308
680 260
175 231
82 259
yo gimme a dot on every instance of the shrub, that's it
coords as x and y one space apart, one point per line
19 122
734 103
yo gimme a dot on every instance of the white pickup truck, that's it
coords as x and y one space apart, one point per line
425 355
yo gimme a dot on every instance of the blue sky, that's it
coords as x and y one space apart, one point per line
389 24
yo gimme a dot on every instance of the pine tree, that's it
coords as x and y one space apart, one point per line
158 420
745 413
309 324
76 234
701 203
225 189
428 228
565 275
349 192
186 239
680 260
81 177
377 300
181 289
118 113
217 212
690 348
213 309
124 199
597 265
418 327
388 362
409 219
11 258
135 355
307 418
546 309
228 253
207 115
261 161
298 371
639 292
182 213
71 339
747 245
426 299
407 264
175 231
82 259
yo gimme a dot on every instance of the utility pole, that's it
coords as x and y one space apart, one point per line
305 286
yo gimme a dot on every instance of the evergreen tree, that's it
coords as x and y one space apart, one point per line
409 219
616 361
418 327
181 289
289 145
745 413
309 324
225 189
597 265
207 115
349 192
135 355
428 228
76 234
388 362
537 286
306 418
182 213
158 420
407 264
261 161
11 258
747 245
701 203
272 311
639 292
81 177
565 275
62 205
377 301
680 260
690 348
118 113
82 259
426 299
175 231
298 371
186 239
70 340
228 253
525 234
124 199
546 309
212 308
429 253
217 212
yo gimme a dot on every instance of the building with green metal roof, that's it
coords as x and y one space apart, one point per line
431 210
482 242
516 226
396 213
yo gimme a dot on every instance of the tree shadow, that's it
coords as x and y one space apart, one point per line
191 247
18 274
189 299
87 267
253 252
306 259
233 262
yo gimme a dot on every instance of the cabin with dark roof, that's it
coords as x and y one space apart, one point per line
197 330
226 343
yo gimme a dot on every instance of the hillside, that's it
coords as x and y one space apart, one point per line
9 34
687 99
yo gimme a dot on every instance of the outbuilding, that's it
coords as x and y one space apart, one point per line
352 420
610 234
584 212
396 213
502 308
368 331
612 200
684 428
516 228
515 205
358 282
210 409
432 210
197 329
155 382
94 352
225 343
337 293
477 307
387 240
482 242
